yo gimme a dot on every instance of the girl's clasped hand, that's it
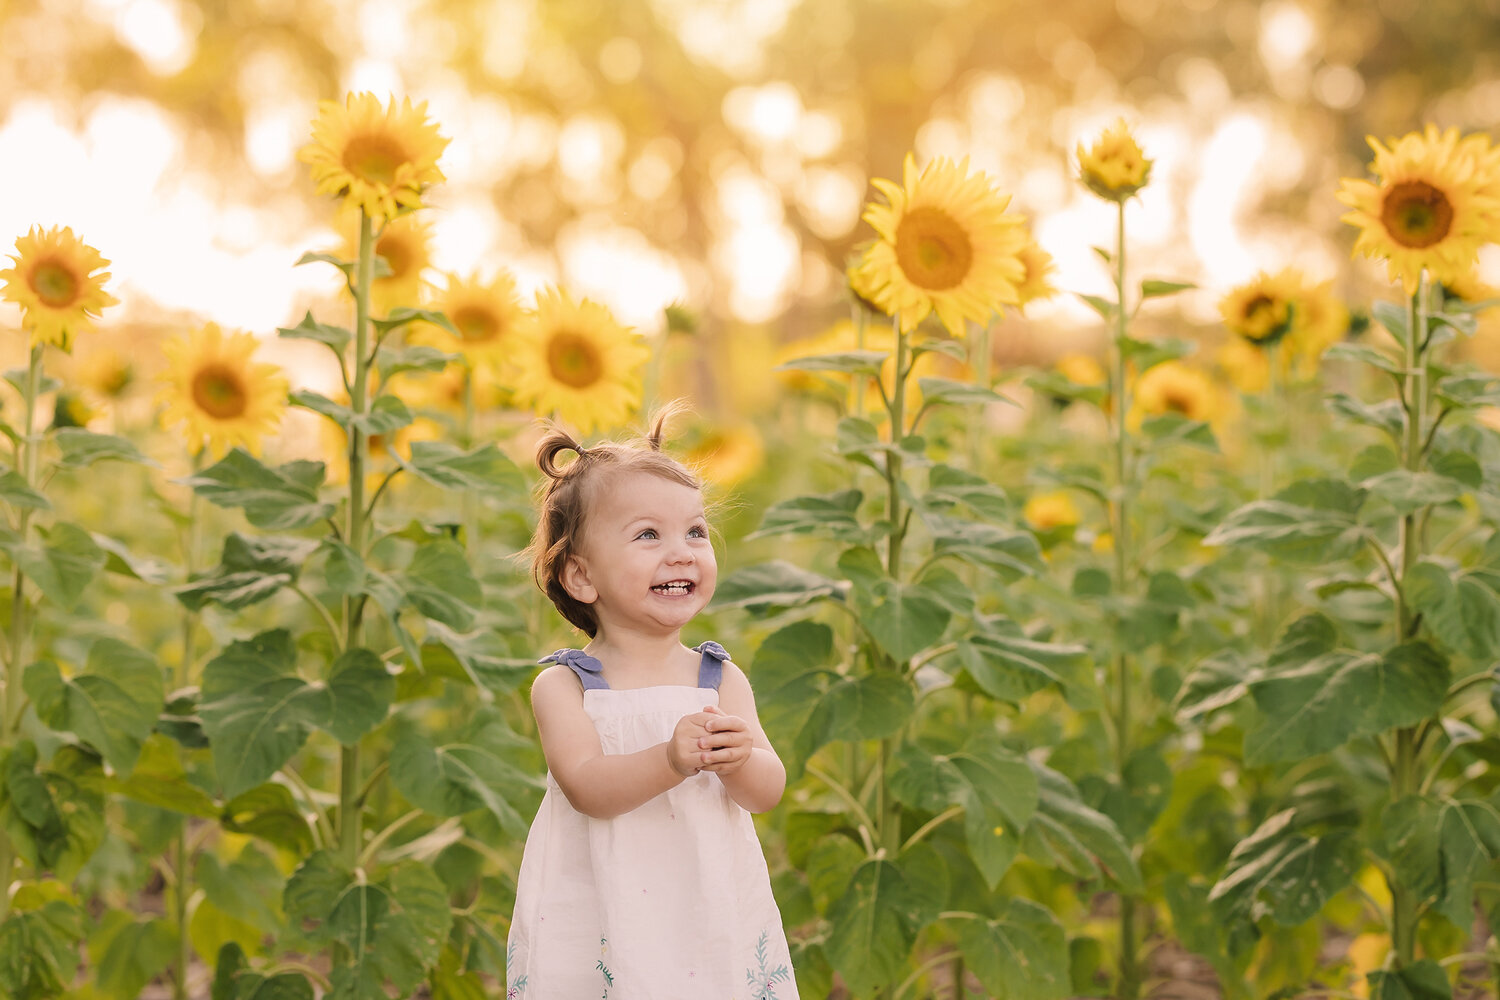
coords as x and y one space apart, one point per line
710 740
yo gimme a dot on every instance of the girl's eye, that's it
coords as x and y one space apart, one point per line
648 533
698 530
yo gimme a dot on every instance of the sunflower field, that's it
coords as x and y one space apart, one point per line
1103 438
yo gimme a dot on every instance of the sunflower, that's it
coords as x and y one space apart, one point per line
58 284
1436 202
945 246
729 455
1114 168
221 395
485 313
575 361
1263 309
1046 511
379 159
1174 387
1321 321
105 372
1037 282
404 244
1081 369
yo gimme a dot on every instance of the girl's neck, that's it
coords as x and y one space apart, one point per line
631 650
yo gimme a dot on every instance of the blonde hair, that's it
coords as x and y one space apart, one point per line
568 491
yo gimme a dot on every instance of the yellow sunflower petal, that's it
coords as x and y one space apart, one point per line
574 360
378 158
1435 203
486 314
1114 167
218 393
58 283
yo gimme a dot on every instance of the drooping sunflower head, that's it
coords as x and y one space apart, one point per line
58 282
1264 308
1433 205
1175 387
575 361
945 245
1036 284
404 244
221 396
376 157
1114 167
486 315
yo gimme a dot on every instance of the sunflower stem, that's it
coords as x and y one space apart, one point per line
1404 900
19 620
470 499
861 335
181 678
359 445
1130 975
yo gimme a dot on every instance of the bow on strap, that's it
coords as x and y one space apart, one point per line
588 669
713 649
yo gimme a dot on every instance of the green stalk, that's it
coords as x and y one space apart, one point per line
889 812
19 620
181 678
1130 973
1404 900
981 379
466 441
857 383
354 535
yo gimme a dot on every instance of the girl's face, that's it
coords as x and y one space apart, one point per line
645 561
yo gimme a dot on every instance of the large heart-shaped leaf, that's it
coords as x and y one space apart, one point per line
279 499
1282 872
461 775
439 583
1021 954
1080 840
874 924
112 705
484 469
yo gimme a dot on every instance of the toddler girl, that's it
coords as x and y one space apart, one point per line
642 877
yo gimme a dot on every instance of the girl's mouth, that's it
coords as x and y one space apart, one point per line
674 588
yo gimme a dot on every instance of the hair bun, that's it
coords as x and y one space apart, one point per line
555 443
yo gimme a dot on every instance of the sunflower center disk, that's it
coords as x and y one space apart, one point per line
476 324
397 254
1180 402
55 284
374 159
1416 214
220 392
933 249
1263 317
574 361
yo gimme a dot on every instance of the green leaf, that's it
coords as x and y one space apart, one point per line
940 345
393 930
269 812
127 953
1063 389
63 566
902 618
484 469
850 362
1385 415
1012 553
1311 521
775 583
158 780
256 710
481 658
832 515
404 315
278 499
1392 316
1216 682
1105 308
56 819
251 569
873 927
1440 847
1080 840
387 415
1461 613
39 946
361 690
250 886
948 487
1316 703
81 448
1366 355
1010 668
1000 800
1156 289
112 705
1173 428
14 491
1468 390
395 361
870 707
308 399
343 568
1409 491
1147 354
119 559
1280 872
439 583
334 337
1022 954
1423 979
952 391
458 777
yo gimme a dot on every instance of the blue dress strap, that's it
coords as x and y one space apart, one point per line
585 666
711 668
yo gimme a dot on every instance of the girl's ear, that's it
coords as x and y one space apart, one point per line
575 580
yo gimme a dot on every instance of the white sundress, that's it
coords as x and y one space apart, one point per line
670 901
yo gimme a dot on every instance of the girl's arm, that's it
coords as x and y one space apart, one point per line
747 763
598 784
